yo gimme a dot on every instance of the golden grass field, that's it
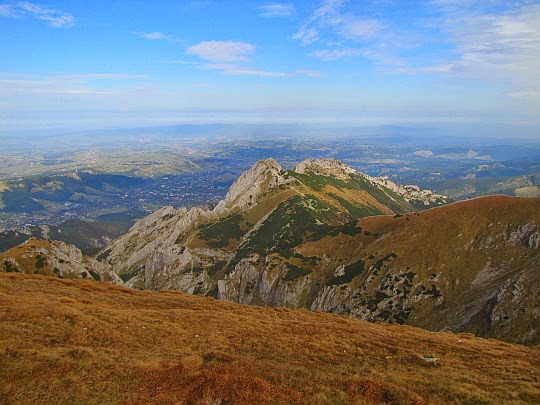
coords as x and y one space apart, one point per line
87 342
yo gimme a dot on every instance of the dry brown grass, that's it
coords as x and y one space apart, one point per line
67 341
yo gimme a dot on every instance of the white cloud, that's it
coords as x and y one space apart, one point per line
329 55
306 35
228 57
311 73
7 10
155 35
357 28
103 76
160 36
235 70
222 51
335 27
276 10
55 18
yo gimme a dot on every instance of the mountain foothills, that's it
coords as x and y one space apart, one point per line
325 237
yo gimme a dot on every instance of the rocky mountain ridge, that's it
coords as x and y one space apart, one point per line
258 192
325 237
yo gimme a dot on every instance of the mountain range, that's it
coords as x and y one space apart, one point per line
325 237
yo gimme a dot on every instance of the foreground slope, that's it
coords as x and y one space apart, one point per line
69 341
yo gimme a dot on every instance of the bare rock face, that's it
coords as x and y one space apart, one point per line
259 281
325 167
153 253
411 193
149 255
56 258
246 190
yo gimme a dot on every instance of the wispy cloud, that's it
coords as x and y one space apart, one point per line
14 83
524 94
501 44
155 35
276 10
160 36
229 57
341 32
111 76
222 51
330 16
492 40
235 70
55 18
311 73
335 54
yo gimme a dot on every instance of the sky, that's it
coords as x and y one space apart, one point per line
118 63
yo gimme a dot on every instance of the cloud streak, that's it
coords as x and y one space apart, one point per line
270 10
54 18
13 83
236 70
228 57
335 54
341 32
160 36
222 51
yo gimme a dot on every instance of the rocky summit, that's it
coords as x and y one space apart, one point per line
325 237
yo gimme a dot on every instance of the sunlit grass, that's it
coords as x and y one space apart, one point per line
67 341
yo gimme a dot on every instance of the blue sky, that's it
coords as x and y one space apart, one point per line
93 64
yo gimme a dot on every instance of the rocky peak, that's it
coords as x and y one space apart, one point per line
263 176
325 167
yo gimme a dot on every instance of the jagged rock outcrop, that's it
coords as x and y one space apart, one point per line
55 258
325 167
264 176
336 168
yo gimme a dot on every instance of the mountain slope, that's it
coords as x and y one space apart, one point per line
469 266
70 341
185 250
294 238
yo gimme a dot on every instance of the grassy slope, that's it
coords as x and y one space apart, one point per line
449 242
67 341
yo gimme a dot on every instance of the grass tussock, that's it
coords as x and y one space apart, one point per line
74 342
